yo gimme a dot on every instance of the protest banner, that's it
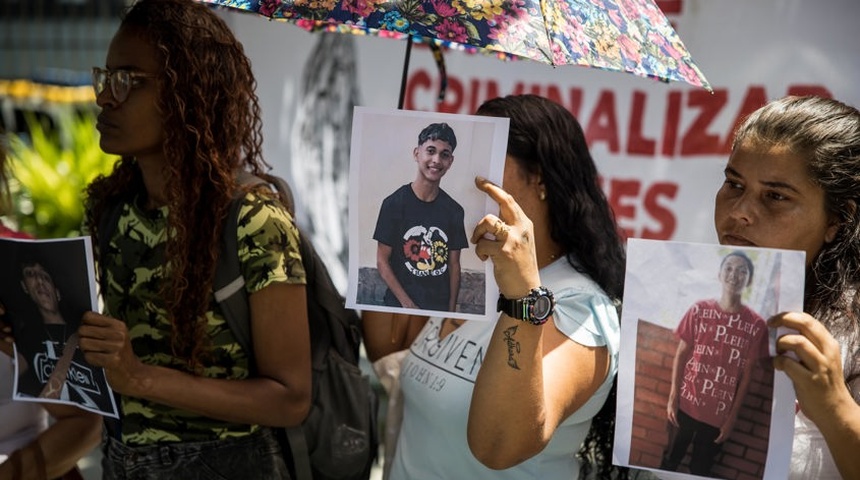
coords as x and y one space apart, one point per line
660 147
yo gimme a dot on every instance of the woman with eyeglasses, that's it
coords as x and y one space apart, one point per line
178 105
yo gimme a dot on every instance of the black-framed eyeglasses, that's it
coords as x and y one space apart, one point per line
121 81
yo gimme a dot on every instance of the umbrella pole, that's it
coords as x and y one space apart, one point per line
405 73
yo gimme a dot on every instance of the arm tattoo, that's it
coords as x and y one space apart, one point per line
513 347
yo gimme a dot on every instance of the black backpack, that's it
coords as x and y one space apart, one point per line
338 440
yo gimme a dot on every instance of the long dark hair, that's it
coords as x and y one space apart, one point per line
212 127
546 139
826 133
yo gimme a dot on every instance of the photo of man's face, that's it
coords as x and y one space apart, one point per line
409 248
39 285
434 158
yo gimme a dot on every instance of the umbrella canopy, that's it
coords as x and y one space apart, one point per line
620 35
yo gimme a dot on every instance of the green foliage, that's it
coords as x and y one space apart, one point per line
50 171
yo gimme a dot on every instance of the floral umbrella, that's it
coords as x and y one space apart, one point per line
620 35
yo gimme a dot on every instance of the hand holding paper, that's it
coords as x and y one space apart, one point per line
811 358
106 343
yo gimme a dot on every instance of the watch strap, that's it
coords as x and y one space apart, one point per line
525 308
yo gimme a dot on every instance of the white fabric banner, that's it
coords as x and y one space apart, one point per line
660 147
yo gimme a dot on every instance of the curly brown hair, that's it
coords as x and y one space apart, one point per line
212 128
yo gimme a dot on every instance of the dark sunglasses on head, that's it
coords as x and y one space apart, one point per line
121 81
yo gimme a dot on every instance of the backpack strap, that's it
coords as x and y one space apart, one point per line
107 226
300 452
229 284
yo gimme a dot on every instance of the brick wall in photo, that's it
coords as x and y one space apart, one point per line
744 454
371 290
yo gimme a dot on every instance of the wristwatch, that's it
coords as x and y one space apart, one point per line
534 308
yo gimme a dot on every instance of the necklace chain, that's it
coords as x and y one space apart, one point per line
51 337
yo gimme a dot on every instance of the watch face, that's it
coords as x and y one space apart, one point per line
542 307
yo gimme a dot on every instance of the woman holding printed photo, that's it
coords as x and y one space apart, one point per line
793 182
499 400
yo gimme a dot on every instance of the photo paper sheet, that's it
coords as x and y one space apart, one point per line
45 287
693 330
413 205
